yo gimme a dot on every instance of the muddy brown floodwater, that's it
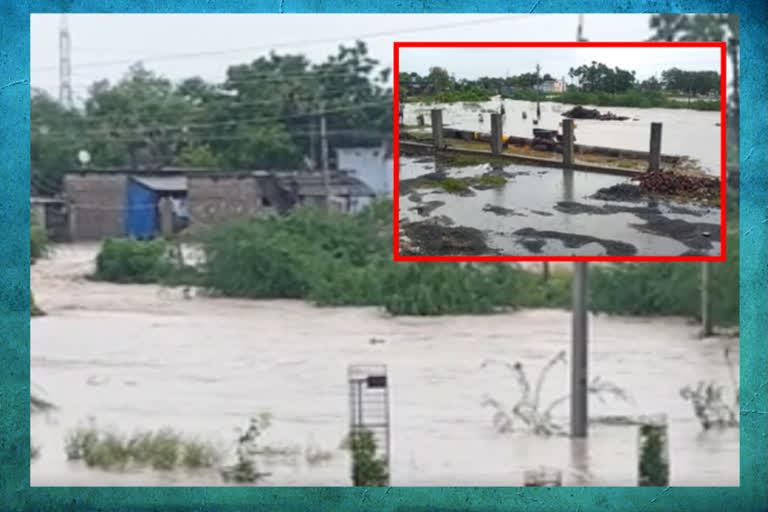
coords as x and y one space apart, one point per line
136 357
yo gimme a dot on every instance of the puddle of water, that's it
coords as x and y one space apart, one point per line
689 133
290 358
534 192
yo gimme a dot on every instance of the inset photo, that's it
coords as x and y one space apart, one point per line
560 150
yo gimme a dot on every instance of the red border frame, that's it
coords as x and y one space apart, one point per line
396 149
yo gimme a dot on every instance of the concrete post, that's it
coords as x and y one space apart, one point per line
496 134
579 413
166 218
567 142
437 128
654 163
74 236
706 313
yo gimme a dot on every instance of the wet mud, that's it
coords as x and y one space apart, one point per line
435 239
500 210
573 241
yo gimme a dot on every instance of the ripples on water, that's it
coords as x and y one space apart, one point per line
214 363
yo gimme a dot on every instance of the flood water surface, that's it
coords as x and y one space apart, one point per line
141 357
690 133
553 200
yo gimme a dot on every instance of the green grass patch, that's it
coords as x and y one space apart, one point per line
492 180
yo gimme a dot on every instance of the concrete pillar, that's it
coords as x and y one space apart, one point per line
437 128
496 134
567 142
74 236
654 163
166 218
706 312
579 413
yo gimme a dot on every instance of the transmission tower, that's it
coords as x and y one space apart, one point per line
65 64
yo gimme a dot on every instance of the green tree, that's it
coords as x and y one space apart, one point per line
705 27
197 156
438 80
56 136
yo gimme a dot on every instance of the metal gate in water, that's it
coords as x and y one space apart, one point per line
369 405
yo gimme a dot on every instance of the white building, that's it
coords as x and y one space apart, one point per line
373 166
554 86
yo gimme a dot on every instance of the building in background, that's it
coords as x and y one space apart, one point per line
552 86
51 215
118 202
371 165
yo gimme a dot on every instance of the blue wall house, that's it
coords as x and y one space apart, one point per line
143 195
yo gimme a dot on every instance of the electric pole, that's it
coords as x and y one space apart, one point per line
65 64
579 353
706 310
324 155
579 335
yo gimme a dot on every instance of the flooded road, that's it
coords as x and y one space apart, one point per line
544 199
689 133
137 357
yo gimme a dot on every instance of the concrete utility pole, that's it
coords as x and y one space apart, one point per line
579 379
324 153
65 64
538 90
706 313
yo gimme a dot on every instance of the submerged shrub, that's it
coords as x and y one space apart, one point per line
164 450
368 470
125 260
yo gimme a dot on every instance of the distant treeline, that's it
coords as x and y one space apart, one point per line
440 86
264 115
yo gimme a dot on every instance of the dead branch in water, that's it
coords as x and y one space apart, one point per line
708 400
528 409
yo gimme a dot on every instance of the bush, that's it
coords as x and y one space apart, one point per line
345 260
124 260
668 288
163 450
367 469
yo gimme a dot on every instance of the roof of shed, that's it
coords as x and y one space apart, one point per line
312 185
163 183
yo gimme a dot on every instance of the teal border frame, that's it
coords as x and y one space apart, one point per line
15 491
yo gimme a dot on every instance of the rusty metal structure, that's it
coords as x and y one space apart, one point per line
369 405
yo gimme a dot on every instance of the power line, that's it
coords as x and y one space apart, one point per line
306 42
229 123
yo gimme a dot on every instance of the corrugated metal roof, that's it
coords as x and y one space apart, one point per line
163 183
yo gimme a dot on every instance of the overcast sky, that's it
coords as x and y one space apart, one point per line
104 45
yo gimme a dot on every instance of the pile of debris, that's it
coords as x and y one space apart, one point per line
579 112
669 182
